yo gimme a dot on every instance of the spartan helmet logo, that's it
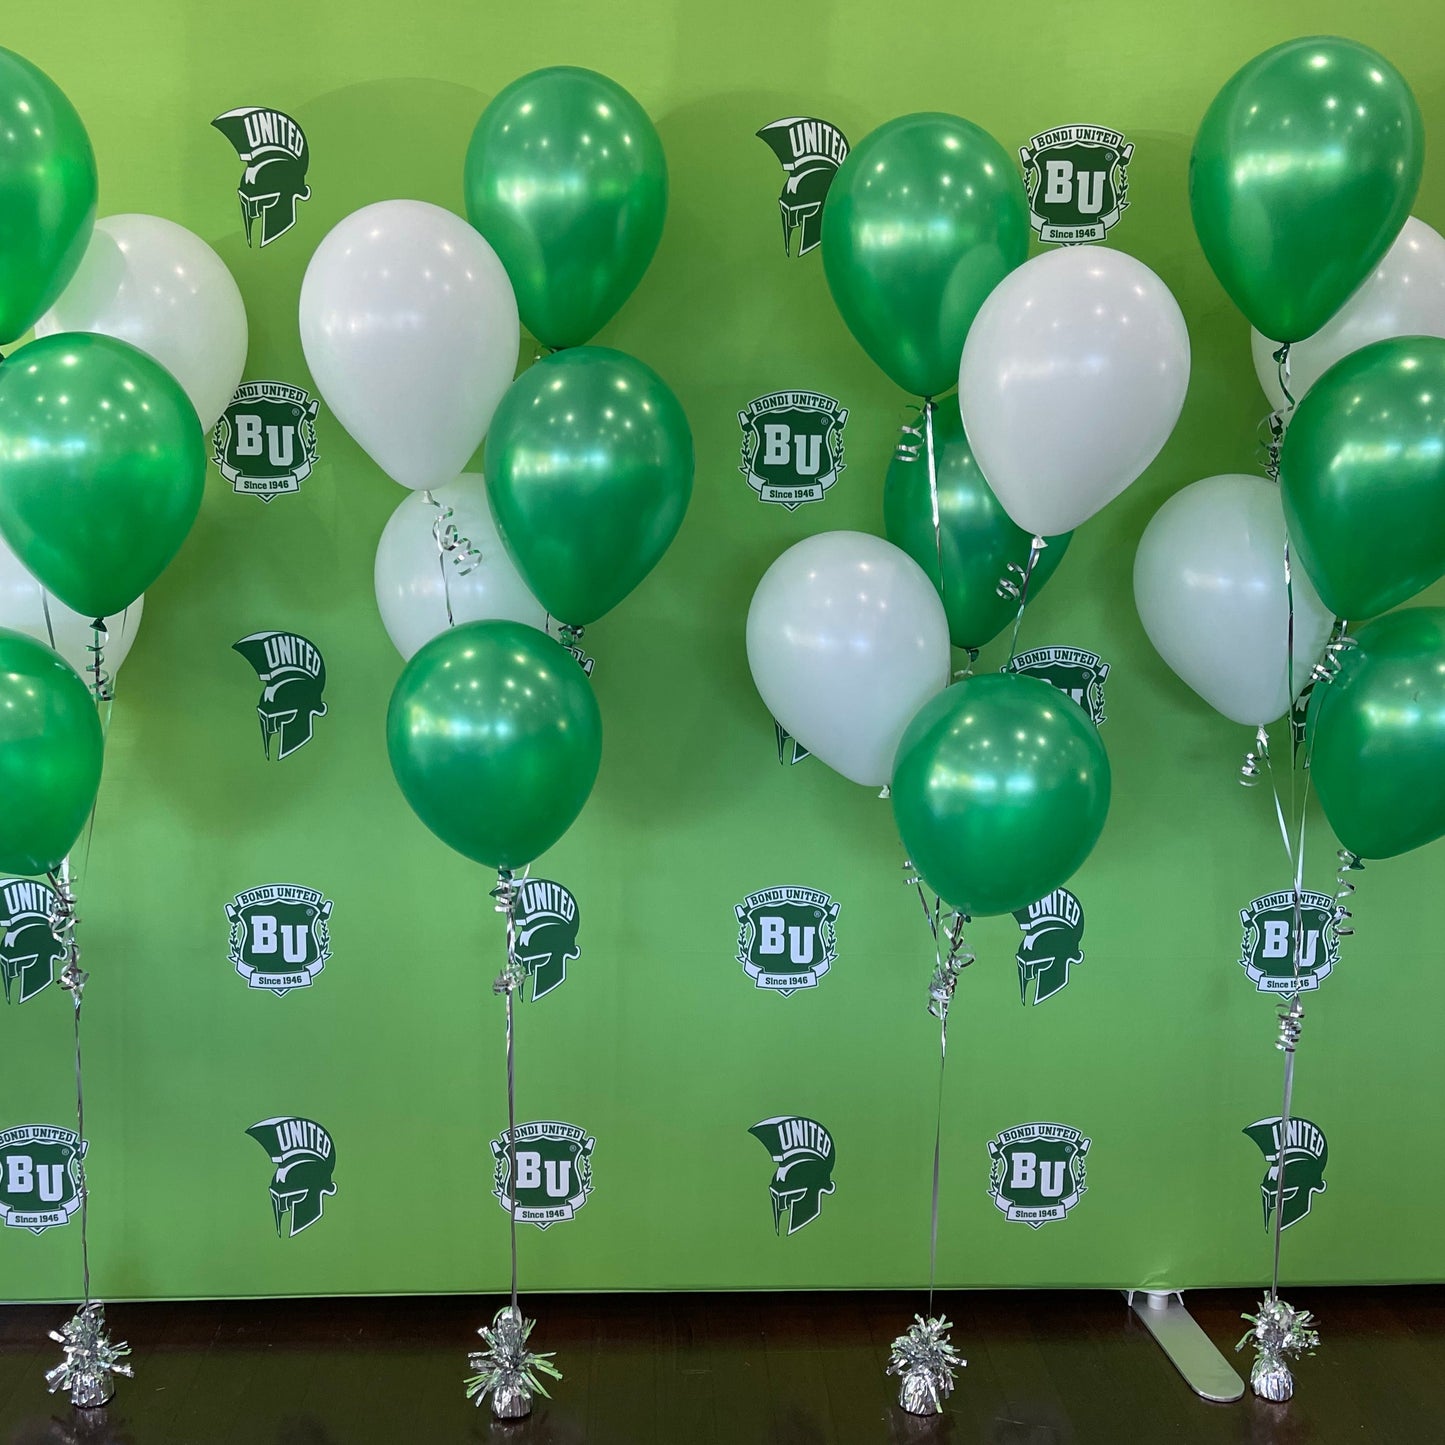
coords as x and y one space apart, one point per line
293 677
803 1151
1305 1155
29 948
547 923
811 152
1053 930
274 151
304 1156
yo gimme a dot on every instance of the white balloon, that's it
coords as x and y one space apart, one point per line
410 329
1072 378
1404 296
411 592
154 284
847 639
26 607
1210 589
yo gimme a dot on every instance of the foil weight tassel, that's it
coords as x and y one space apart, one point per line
92 1359
507 1371
926 1364
1277 1332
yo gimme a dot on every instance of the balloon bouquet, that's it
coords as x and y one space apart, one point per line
1071 371
410 320
1301 181
140 341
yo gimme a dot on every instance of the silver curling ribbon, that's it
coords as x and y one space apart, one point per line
455 552
1007 587
1255 760
1344 890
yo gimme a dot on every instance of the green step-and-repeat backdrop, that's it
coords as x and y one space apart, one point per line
294 1068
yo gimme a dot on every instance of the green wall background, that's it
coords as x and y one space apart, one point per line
658 1044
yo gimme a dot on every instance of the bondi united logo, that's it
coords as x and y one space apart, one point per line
1072 670
293 677
40 1176
802 1151
280 936
265 442
1267 953
554 1171
273 149
792 446
1053 930
790 750
305 1158
810 152
547 922
787 937
1305 1154
29 949
1037 1173
1077 179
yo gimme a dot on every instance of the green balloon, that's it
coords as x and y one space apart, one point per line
589 467
924 218
1377 736
976 536
1303 172
102 466
495 738
1362 472
47 194
566 178
50 755
1000 790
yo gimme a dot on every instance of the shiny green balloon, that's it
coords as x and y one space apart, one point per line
978 539
50 755
495 738
1362 473
589 468
566 178
1377 736
47 194
1303 172
102 466
924 218
1000 790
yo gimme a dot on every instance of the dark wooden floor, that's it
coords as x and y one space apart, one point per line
1044 1369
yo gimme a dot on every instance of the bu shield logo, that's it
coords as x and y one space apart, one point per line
810 152
1267 954
292 674
40 1176
265 442
280 936
305 1158
1076 673
1303 1152
1036 1173
1077 182
787 937
547 923
273 149
803 1153
792 446
29 949
554 1171
1053 930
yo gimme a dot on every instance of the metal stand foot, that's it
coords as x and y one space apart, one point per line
1192 1352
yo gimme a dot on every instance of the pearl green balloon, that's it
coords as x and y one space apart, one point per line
589 467
102 467
1377 736
50 755
1000 790
495 738
1362 472
924 218
47 194
566 178
1302 175
977 537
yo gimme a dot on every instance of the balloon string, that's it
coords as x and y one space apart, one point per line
453 550
928 444
1036 547
1278 421
511 978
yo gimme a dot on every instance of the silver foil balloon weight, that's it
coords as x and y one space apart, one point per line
92 1359
1277 1332
926 1364
507 1370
